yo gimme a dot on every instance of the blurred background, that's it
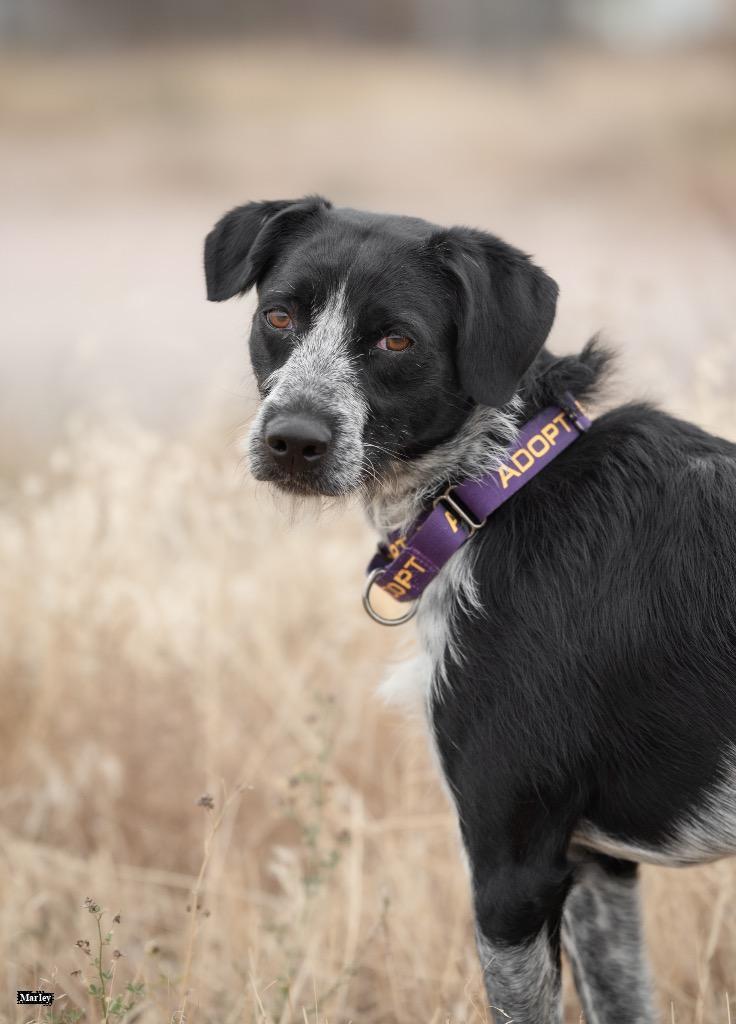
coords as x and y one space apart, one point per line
168 630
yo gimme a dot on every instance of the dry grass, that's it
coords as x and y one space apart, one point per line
165 635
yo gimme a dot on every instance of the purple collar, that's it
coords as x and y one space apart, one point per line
408 562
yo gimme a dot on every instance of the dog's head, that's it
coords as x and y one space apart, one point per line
374 336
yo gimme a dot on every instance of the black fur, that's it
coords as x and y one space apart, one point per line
599 682
243 244
505 306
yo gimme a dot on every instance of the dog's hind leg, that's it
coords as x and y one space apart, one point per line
602 937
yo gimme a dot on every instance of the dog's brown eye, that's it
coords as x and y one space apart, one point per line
279 319
394 343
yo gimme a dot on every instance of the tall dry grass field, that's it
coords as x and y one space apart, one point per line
168 636
193 754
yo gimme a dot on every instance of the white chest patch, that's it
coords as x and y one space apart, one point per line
410 683
407 683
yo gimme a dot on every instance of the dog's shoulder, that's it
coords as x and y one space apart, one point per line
638 448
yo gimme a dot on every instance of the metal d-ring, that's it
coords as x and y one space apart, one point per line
372 577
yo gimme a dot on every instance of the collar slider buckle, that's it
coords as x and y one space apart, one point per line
448 499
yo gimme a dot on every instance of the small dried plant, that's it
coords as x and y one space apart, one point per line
207 802
102 959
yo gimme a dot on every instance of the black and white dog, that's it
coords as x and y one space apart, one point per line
579 666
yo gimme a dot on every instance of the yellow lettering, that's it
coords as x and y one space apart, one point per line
403 577
395 589
560 418
397 547
534 442
451 520
522 464
550 431
414 564
506 472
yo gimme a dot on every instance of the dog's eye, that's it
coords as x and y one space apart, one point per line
279 319
394 343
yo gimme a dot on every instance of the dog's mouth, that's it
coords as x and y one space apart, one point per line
302 485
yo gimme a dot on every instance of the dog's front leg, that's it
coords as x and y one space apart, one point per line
517 931
516 829
602 936
520 878
522 981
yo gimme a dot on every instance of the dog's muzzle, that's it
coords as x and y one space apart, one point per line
304 450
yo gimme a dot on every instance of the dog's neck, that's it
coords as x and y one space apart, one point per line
478 448
475 450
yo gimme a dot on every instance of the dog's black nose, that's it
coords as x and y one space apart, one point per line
297 442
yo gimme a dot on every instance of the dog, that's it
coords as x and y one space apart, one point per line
579 646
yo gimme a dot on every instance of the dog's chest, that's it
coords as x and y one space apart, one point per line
413 681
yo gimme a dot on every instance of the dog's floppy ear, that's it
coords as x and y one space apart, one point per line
506 306
243 243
